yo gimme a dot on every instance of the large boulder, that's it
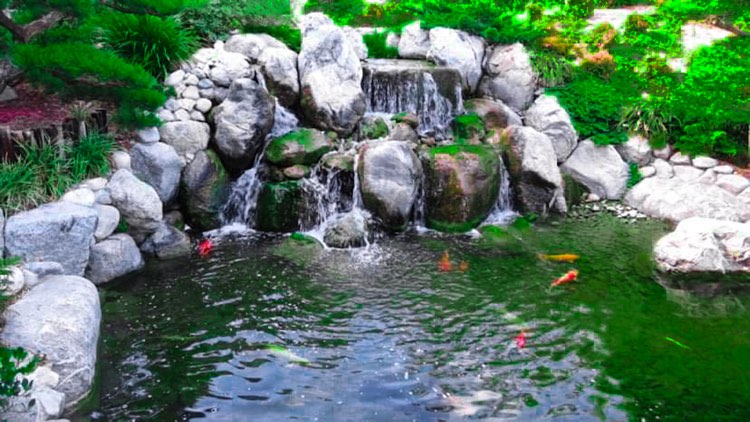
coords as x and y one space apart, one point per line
112 258
303 146
705 245
251 45
636 150
533 169
414 42
242 122
158 165
279 66
677 200
280 206
330 79
355 39
187 138
137 202
599 168
109 218
509 76
495 114
459 50
204 189
59 319
348 230
390 175
167 243
462 184
61 231
546 116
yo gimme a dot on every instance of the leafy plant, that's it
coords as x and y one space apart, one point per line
650 119
343 12
377 47
634 175
289 35
552 68
90 156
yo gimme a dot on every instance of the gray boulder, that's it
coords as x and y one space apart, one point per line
279 66
414 42
242 122
356 40
331 79
349 230
677 200
312 22
494 114
599 168
251 45
459 50
109 218
158 165
509 76
137 202
732 183
148 135
204 189
81 196
390 175
45 268
221 66
167 243
112 258
187 138
59 319
533 170
61 231
636 150
705 245
546 116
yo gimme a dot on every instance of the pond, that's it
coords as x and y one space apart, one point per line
274 329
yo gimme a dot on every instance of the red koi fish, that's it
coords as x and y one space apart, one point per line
205 247
521 339
566 278
444 265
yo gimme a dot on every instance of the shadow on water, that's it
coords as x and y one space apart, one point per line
273 329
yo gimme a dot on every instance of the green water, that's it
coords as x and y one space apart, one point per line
271 330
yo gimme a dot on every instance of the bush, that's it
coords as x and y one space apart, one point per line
377 47
218 18
289 35
634 175
343 12
650 119
553 69
154 43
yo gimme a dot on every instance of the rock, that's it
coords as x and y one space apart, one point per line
297 171
390 176
410 119
703 162
495 114
2 233
185 137
679 158
462 185
203 105
120 160
310 22
534 172
459 50
109 218
663 153
373 127
95 184
635 150
745 196
708 177
392 40
204 189
280 207
59 231
546 116
647 171
225 66
414 42
83 197
167 243
303 146
592 197
509 76
330 80
8 94
158 165
279 66
663 169
468 129
186 104
338 161
197 116
148 135
191 79
13 282
723 169
191 93
355 39
676 200
52 402
733 183
103 197
705 245
59 319
166 116
252 45
403 132
349 230
137 202
45 268
687 173
174 218
599 168
242 122
114 257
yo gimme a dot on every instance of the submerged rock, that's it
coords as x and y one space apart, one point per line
462 184
349 230
509 76
599 168
167 243
705 245
390 175
204 189
112 258
304 146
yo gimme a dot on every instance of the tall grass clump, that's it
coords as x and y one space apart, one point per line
377 47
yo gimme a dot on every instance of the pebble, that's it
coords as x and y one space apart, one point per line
733 183
679 158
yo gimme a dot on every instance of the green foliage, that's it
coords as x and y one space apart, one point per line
291 36
218 18
343 12
89 157
553 69
634 175
154 43
122 226
377 47
650 119
579 9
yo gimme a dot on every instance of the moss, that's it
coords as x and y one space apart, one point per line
304 146
279 206
203 207
468 127
573 190
374 130
449 227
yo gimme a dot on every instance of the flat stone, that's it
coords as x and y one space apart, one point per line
733 183
724 169
703 162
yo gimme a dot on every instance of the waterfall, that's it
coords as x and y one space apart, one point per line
502 212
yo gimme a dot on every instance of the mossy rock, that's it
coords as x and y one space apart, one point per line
304 146
204 188
574 191
280 206
462 185
338 161
409 118
299 248
375 128
297 171
469 129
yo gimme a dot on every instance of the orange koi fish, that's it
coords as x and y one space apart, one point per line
463 266
205 247
566 278
565 257
521 339
444 265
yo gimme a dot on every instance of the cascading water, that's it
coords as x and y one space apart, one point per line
502 212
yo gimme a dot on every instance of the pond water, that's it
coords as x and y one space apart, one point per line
271 329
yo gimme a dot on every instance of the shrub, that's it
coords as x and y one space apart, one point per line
289 35
377 47
553 69
343 12
90 156
634 175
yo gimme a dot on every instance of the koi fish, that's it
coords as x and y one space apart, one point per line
444 265
205 247
284 353
565 257
463 266
521 339
566 278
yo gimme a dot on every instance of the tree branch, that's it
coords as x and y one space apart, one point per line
719 22
24 33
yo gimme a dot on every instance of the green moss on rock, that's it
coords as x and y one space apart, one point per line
375 129
204 188
280 206
304 146
469 128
